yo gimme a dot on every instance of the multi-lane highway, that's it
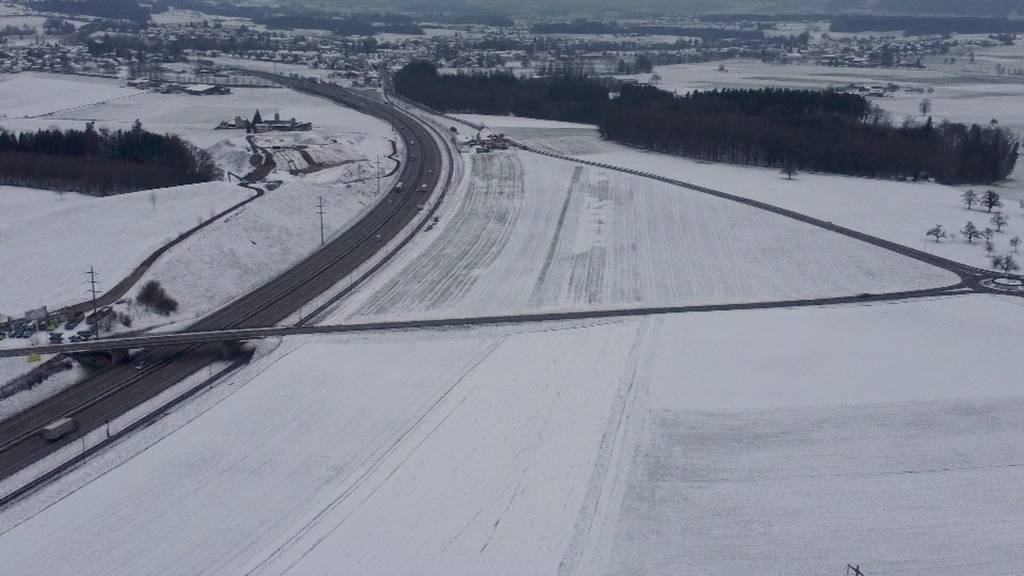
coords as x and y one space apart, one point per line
120 388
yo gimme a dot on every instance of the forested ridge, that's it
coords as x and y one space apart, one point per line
816 130
101 162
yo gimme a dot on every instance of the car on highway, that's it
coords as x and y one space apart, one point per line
58 429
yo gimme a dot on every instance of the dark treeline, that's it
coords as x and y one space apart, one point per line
707 34
101 162
768 18
598 27
10 30
576 27
916 25
954 7
213 8
560 98
483 18
112 9
345 26
821 131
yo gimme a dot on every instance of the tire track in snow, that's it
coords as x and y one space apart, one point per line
374 467
536 297
448 270
608 451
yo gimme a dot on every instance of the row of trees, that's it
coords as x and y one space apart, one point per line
806 130
561 98
920 25
112 9
823 131
101 162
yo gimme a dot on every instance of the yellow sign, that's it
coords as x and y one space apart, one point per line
34 357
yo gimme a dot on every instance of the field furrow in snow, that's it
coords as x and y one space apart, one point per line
528 233
713 443
897 211
313 468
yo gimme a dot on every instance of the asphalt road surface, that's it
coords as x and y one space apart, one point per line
114 391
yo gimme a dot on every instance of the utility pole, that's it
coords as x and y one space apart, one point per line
92 289
320 211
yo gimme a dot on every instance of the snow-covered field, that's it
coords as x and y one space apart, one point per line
224 260
529 233
962 92
35 94
50 240
897 211
681 444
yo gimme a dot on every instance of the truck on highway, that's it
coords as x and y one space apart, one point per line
58 429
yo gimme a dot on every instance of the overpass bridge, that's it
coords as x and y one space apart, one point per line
117 346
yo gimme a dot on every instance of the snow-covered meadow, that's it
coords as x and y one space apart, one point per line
530 233
971 93
49 240
53 239
34 94
683 444
897 211
71 101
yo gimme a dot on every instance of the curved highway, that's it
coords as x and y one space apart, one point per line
116 390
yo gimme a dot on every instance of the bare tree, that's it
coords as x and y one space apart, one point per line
970 231
789 169
1005 263
969 198
925 106
999 220
991 200
989 247
988 234
936 232
1015 243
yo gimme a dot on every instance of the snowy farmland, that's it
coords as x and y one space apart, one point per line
712 443
50 239
962 92
220 262
529 233
897 211
194 118
37 94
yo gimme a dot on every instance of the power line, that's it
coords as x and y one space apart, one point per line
320 211
94 291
